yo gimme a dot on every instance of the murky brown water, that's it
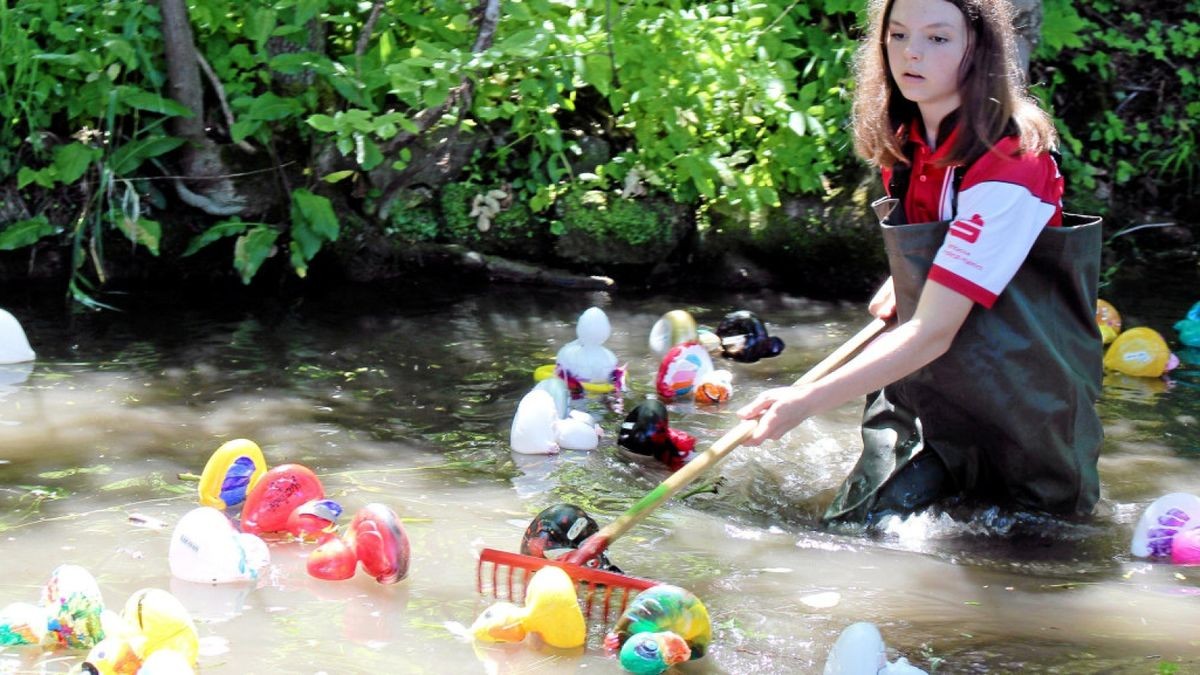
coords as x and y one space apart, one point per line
406 400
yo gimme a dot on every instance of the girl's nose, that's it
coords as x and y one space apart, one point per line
912 52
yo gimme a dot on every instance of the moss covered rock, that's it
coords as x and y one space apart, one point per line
601 228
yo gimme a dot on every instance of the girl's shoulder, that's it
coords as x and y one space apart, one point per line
1005 162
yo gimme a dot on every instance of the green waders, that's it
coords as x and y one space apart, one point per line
1010 408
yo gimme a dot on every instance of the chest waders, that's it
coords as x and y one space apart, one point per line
1009 409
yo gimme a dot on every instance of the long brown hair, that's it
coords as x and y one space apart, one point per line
994 102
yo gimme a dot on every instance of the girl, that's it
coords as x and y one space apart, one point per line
987 385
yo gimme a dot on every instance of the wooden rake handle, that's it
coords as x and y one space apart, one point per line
598 542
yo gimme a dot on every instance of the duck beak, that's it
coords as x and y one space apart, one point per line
675 650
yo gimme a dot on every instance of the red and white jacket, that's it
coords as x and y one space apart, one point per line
1004 201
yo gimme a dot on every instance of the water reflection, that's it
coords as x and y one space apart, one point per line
408 403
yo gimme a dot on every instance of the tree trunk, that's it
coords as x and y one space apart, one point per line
210 190
183 69
1027 21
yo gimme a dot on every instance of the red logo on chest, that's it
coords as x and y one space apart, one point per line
967 230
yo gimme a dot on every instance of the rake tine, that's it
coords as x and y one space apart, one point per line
608 591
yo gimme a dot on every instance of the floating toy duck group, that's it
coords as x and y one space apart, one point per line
287 499
153 634
544 422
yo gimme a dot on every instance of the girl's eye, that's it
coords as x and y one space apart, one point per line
938 39
896 36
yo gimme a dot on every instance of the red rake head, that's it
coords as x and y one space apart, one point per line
510 574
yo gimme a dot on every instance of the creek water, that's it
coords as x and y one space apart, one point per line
405 397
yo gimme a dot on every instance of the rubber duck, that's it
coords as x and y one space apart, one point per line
281 491
374 538
206 548
744 338
559 529
551 611
585 364
663 626
646 432
14 346
1108 319
681 368
1160 524
538 428
1189 327
673 328
153 621
231 472
714 387
1140 352
860 650
70 614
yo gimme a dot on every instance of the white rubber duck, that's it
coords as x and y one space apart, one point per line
859 650
544 423
586 360
14 346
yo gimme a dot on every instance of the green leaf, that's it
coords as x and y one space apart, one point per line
252 249
315 212
43 177
313 223
130 156
269 107
337 176
25 232
144 100
143 231
227 228
322 123
1061 25
244 128
71 161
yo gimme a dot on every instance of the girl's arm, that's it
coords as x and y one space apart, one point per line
893 355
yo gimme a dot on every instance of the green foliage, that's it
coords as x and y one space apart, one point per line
732 104
1120 77
607 217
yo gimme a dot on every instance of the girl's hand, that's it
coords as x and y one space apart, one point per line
883 305
777 410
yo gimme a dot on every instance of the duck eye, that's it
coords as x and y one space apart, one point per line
647 649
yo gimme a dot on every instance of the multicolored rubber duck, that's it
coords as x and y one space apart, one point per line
69 615
663 626
551 611
559 529
744 338
646 432
230 473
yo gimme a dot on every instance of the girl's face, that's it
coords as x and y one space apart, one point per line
926 41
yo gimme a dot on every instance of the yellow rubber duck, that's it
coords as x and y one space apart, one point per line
153 621
551 611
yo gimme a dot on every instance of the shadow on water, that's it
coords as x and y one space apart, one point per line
405 395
